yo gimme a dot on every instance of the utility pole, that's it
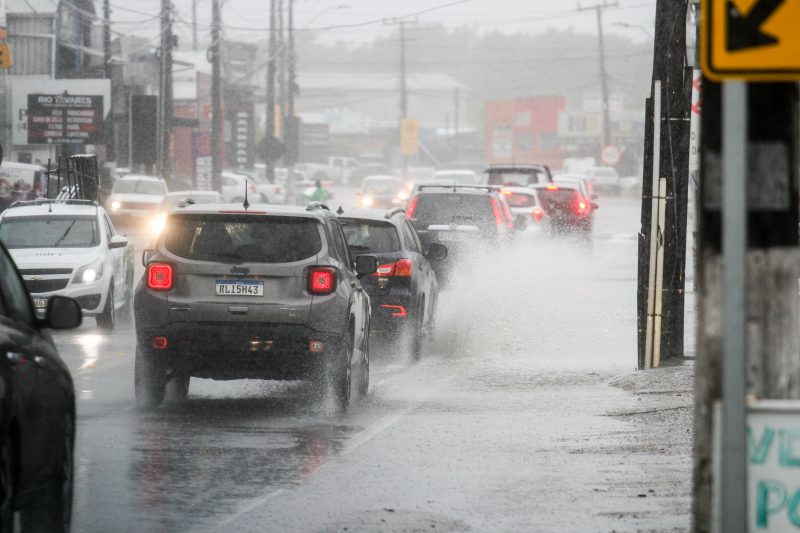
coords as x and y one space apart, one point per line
290 122
107 72
217 140
270 141
194 25
165 94
456 114
665 193
401 22
281 70
602 58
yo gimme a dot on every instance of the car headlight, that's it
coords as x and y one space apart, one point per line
89 273
403 195
367 201
115 205
159 223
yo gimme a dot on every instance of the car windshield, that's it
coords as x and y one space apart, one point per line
557 199
242 238
152 188
516 177
516 199
368 236
381 187
50 232
453 208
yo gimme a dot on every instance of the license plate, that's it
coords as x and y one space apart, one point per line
452 236
240 288
40 303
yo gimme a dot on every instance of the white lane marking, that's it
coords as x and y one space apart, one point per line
360 438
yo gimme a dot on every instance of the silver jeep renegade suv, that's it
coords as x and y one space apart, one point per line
266 292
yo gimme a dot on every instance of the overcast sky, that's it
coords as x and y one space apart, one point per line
248 19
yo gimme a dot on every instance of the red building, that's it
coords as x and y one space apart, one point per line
524 130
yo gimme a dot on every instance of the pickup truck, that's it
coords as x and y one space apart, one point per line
341 170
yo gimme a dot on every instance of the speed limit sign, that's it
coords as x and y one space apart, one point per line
611 155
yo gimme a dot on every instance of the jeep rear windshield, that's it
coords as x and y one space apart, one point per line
50 232
370 236
453 208
242 238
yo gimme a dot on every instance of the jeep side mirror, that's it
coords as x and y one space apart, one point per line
437 251
366 265
146 255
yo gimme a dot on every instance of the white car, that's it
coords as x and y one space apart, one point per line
580 181
605 179
233 187
458 177
173 199
135 197
70 248
526 209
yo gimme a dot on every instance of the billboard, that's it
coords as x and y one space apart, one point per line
65 119
23 86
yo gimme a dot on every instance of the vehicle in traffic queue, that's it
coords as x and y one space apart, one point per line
134 198
576 179
37 414
404 292
569 211
518 175
234 186
382 192
526 209
252 292
465 218
173 199
70 248
457 177
605 180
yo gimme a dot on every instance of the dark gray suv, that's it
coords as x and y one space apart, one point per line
266 292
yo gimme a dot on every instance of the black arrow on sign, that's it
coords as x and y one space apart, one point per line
745 31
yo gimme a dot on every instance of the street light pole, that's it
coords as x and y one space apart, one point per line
217 140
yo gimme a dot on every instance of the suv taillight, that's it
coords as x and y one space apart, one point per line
159 276
403 268
537 214
412 206
322 280
498 214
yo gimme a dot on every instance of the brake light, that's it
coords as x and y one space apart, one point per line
509 218
506 192
159 276
160 343
412 206
581 206
498 215
552 187
397 310
403 268
322 280
537 214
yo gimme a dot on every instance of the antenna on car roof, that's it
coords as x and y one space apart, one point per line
246 204
340 211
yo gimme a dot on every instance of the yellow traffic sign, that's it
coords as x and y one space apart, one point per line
6 60
753 40
409 137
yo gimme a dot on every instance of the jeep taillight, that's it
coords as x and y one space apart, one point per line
322 280
159 276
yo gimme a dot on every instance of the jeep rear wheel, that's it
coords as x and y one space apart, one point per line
149 381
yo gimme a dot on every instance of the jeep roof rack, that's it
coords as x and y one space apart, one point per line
395 211
50 201
317 205
487 188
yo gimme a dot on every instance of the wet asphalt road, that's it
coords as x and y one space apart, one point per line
502 426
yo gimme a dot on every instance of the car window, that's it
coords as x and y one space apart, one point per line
109 227
50 231
453 208
16 298
370 236
520 200
245 238
152 188
412 242
339 243
348 258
